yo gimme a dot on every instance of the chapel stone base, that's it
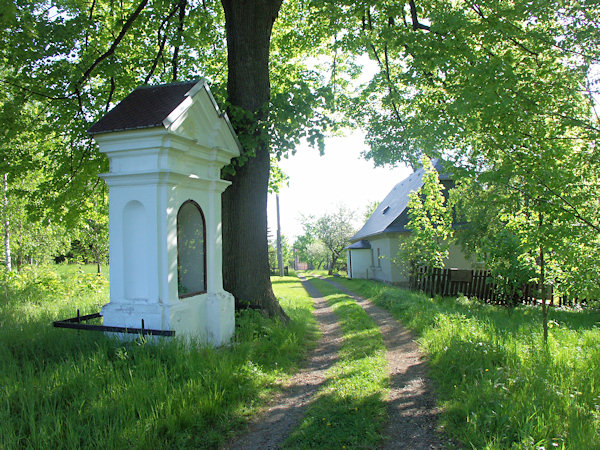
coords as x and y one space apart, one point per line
205 318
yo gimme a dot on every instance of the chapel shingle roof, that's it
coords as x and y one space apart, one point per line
146 107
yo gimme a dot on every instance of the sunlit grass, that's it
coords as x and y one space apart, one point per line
72 389
350 409
499 385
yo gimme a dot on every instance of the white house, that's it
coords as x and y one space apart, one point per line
373 252
166 146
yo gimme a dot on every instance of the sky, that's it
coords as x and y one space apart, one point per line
320 184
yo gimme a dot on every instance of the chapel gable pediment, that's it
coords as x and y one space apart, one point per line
186 109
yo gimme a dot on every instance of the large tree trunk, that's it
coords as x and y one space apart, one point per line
248 24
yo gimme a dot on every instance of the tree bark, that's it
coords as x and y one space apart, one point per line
543 283
248 24
7 256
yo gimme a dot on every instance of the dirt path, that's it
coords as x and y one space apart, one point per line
412 411
273 426
411 404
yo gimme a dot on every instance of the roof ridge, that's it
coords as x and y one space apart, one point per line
173 83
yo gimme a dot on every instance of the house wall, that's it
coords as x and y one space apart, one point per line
382 264
457 259
401 268
389 267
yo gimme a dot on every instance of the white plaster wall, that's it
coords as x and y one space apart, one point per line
400 270
136 254
381 266
152 173
210 316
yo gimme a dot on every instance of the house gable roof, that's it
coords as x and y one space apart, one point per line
392 213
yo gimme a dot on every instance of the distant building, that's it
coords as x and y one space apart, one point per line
373 252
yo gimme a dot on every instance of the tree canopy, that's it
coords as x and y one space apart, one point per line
506 90
326 236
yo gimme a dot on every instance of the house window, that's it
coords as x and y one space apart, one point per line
191 250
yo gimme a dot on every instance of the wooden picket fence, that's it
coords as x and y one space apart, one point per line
480 284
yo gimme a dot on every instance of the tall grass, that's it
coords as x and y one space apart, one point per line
69 389
350 409
499 385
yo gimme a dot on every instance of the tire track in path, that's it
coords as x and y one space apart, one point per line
272 427
413 414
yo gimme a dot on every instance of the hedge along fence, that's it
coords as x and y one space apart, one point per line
481 284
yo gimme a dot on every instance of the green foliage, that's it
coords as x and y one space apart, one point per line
286 249
91 241
497 387
31 285
350 408
65 388
34 237
311 250
277 177
331 230
72 61
370 209
490 238
430 223
503 89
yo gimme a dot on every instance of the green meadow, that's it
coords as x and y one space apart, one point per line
499 385
63 388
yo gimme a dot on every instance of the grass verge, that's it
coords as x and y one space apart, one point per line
68 389
500 387
349 411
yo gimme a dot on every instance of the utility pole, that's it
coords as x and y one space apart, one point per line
279 249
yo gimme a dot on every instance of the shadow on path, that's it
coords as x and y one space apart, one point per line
272 427
413 415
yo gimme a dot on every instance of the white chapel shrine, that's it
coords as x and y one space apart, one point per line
166 146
